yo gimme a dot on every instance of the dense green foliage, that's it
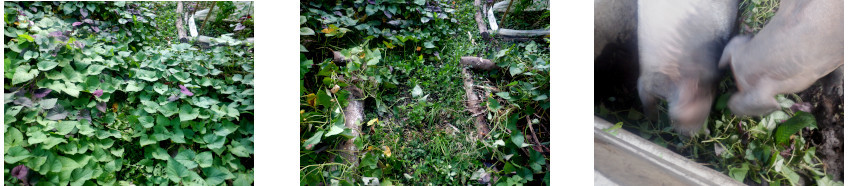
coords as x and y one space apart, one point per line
769 150
96 93
405 58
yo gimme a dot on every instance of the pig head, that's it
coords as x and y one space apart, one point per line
802 43
680 43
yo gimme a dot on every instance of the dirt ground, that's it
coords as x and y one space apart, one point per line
827 96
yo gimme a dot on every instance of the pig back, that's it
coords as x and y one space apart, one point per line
803 42
683 37
615 20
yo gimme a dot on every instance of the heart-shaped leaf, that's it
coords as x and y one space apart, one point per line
793 125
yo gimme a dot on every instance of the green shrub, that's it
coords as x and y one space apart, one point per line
97 96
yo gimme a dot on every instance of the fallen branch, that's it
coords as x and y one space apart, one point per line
539 147
353 116
481 25
339 58
478 63
207 16
503 18
491 89
208 40
473 105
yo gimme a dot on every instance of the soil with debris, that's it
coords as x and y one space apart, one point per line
827 96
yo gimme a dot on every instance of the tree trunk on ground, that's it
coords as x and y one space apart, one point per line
481 25
473 106
353 115
478 63
180 31
339 58
479 114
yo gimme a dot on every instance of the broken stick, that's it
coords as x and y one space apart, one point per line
472 105
478 63
352 116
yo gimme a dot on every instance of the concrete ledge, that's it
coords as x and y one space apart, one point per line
627 159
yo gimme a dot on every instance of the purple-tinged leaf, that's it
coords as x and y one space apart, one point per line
56 33
18 91
57 113
96 29
84 114
79 44
40 93
387 13
185 91
76 23
23 101
89 21
395 22
338 13
84 12
21 172
173 98
101 106
58 46
239 27
803 106
372 2
98 93
34 10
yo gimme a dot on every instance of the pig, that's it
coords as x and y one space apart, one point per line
680 44
615 21
802 43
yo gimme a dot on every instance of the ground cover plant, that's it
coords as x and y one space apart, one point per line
787 147
97 93
399 60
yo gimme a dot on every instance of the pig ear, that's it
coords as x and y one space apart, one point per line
725 58
734 44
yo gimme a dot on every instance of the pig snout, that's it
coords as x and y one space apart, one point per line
689 112
689 101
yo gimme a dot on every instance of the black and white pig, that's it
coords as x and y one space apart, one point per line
680 43
802 43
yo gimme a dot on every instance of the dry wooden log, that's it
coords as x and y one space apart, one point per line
473 105
339 58
353 115
488 88
180 31
478 63
523 33
481 25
